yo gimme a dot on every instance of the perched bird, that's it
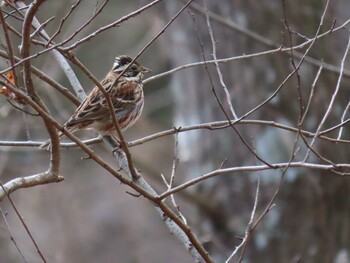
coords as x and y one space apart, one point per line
127 98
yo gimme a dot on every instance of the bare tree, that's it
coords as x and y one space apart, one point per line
253 165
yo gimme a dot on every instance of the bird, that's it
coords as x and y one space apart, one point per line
126 93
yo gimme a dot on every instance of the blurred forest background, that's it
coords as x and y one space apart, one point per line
89 217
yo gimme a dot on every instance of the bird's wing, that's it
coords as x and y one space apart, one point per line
95 106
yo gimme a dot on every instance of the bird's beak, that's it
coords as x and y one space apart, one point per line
146 70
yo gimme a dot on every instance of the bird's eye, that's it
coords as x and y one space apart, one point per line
133 68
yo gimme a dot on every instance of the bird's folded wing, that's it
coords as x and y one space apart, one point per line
95 108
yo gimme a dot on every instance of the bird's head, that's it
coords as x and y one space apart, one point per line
134 70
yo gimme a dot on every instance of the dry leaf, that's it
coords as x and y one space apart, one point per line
7 92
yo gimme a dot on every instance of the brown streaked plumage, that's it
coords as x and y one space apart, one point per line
126 95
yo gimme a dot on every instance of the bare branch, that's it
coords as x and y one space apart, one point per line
113 24
29 181
41 75
73 7
11 236
342 119
259 38
61 61
253 168
208 126
334 95
221 78
311 94
249 226
220 103
41 27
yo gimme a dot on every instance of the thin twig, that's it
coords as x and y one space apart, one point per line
313 85
60 59
216 125
211 82
249 226
111 25
292 60
293 72
41 75
268 42
41 27
252 168
314 151
271 204
6 193
331 103
9 47
218 70
11 236
172 178
62 22
342 119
